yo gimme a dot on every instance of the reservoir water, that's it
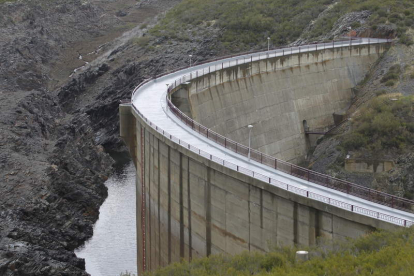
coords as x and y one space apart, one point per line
112 249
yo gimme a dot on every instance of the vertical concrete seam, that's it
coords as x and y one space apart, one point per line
261 208
207 198
138 184
159 204
169 204
181 208
317 225
248 207
295 223
149 199
276 205
311 226
190 242
143 203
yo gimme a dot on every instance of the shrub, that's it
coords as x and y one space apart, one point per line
392 74
383 124
382 13
272 260
406 40
410 127
354 141
409 21
142 41
394 18
396 68
247 24
355 25
390 83
381 92
379 253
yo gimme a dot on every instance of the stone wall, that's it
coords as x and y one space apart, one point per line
368 166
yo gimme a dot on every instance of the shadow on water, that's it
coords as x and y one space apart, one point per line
112 249
122 160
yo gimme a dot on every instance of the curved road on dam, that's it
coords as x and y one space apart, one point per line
149 99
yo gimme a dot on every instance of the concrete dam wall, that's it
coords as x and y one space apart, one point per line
189 205
278 96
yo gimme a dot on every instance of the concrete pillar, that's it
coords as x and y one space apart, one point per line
127 129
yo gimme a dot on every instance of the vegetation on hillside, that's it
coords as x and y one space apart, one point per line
244 23
397 12
247 24
387 122
379 253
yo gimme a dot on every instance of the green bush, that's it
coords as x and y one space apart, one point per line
392 74
272 260
383 124
142 41
381 92
406 40
380 253
247 24
355 25
390 83
394 18
354 141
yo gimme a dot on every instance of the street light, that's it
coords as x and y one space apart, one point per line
268 44
190 59
250 130
350 35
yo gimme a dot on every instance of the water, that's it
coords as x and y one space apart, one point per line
112 249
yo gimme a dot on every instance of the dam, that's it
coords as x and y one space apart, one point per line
202 191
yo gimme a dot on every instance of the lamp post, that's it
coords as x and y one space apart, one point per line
190 59
250 131
268 44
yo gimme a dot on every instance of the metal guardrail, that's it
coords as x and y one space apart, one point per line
286 167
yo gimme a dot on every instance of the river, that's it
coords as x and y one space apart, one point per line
112 249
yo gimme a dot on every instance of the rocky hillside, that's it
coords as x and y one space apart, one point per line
65 65
55 130
381 127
